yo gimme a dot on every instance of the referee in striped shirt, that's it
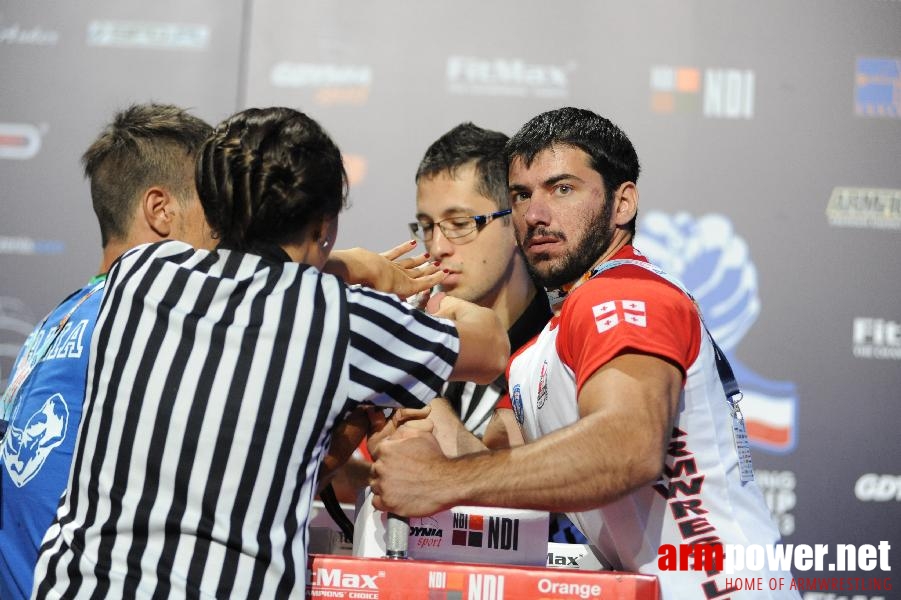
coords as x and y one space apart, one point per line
216 378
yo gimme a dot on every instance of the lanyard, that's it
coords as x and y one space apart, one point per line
33 354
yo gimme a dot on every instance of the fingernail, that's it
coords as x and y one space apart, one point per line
426 254
412 242
447 270
436 263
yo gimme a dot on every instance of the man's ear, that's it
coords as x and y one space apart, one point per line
157 207
626 204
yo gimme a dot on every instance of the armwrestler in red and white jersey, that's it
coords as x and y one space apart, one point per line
628 427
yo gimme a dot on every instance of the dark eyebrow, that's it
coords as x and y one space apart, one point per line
558 178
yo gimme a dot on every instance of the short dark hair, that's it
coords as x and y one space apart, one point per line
464 144
267 173
609 148
145 145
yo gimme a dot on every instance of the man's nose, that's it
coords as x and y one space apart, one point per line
538 212
439 246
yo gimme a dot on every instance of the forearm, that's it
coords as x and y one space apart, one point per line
350 265
575 469
484 345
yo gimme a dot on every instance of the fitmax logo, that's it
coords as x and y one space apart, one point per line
338 578
505 77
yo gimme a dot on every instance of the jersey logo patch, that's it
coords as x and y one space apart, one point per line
608 315
516 401
542 387
26 446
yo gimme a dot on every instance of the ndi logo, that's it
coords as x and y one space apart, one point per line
715 264
876 338
474 76
716 93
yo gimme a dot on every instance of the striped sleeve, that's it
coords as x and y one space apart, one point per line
398 355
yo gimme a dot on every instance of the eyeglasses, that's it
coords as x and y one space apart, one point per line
456 228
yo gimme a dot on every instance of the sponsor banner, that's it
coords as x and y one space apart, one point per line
873 487
16 35
143 34
332 84
876 338
778 489
463 533
715 93
28 246
19 141
479 76
873 208
877 87
715 264
572 556
373 579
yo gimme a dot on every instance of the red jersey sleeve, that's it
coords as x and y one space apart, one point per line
627 309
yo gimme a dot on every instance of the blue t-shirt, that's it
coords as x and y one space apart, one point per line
43 417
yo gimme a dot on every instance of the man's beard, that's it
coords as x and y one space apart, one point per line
577 261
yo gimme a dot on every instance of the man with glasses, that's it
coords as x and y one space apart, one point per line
462 215
624 398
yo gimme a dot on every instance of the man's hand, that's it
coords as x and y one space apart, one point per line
382 427
406 478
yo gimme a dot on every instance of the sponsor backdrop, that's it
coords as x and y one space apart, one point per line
769 133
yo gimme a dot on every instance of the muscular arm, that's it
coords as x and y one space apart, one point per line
618 445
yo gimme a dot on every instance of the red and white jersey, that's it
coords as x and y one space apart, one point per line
700 498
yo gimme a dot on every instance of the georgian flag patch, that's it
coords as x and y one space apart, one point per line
608 315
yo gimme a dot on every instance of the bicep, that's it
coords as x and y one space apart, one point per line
637 396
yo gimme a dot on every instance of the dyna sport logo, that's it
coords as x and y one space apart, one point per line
714 263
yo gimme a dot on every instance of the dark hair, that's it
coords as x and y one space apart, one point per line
611 153
267 173
464 144
145 145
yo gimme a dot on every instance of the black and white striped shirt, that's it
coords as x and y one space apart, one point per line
215 380
475 403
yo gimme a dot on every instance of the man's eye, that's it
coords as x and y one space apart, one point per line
564 189
427 227
520 196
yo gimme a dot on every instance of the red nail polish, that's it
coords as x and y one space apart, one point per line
412 242
436 263
447 270
426 254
